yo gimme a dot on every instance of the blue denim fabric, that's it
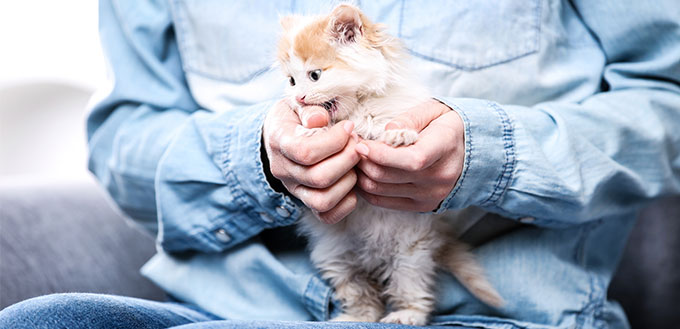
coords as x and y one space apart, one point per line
87 311
571 113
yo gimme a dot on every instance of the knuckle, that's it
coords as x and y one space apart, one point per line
375 173
277 171
352 201
440 194
319 179
418 162
372 199
303 155
368 185
424 207
447 176
323 204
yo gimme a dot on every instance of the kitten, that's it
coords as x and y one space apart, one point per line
355 70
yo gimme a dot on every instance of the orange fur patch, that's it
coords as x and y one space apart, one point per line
312 43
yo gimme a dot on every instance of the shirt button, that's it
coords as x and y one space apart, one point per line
265 217
283 212
527 220
222 235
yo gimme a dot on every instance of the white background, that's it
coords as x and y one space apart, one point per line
50 63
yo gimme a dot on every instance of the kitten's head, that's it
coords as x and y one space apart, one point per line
334 60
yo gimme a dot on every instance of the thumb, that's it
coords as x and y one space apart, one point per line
314 116
419 116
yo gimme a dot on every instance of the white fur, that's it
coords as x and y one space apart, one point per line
375 255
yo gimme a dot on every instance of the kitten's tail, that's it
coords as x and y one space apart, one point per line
457 258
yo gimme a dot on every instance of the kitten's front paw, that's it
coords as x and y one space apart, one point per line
407 316
308 132
398 137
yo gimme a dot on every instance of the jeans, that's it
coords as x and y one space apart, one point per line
80 310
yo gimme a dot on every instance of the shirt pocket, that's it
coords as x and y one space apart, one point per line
471 35
232 41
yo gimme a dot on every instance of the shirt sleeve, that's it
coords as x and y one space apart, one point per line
193 176
566 163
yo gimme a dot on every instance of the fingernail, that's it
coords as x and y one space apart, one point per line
349 125
355 137
362 149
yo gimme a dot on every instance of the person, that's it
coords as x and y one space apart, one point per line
561 116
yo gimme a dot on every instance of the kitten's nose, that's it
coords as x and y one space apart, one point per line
301 99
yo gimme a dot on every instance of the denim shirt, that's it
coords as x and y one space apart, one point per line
571 112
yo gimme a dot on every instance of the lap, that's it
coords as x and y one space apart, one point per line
77 310
241 324
80 310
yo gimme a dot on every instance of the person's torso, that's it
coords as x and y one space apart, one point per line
512 52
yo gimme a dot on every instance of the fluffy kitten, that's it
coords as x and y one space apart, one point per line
355 70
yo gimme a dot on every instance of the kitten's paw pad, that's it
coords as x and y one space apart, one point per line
308 132
398 137
408 316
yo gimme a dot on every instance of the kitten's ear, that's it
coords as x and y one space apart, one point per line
345 23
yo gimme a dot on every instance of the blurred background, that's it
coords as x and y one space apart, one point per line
50 64
59 232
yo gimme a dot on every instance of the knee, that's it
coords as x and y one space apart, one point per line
49 311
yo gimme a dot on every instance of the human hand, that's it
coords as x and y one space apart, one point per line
316 168
420 176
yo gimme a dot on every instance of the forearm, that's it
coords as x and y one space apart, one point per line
566 163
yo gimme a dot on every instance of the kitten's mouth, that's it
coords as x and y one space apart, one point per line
331 106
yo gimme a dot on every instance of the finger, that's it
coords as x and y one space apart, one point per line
384 174
407 190
341 210
395 203
314 116
309 150
320 175
287 116
328 171
418 117
414 157
323 200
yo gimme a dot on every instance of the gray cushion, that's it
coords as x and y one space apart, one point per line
67 238
647 283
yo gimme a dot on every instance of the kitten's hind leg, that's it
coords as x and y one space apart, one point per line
358 293
409 289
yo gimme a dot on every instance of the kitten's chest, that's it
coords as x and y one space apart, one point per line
384 232
371 116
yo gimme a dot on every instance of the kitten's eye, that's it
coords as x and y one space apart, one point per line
314 75
291 80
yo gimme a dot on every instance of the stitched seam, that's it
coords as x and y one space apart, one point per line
463 67
596 299
446 204
505 175
262 180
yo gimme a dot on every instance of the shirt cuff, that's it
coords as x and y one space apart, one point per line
489 154
211 191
